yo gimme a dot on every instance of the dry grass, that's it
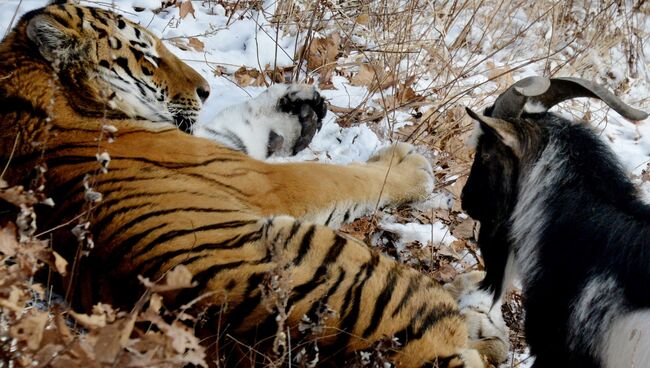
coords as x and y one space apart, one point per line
424 58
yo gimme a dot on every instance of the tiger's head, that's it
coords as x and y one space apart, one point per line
110 65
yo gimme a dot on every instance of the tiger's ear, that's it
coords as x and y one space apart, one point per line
56 42
504 130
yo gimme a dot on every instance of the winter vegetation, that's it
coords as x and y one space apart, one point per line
391 71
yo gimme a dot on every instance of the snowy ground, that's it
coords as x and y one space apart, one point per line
247 38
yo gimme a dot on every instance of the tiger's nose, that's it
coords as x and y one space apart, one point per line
203 92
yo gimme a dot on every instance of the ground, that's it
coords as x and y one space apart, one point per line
403 71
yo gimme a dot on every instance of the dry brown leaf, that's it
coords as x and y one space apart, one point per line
497 75
218 71
365 77
90 322
322 54
16 300
60 263
185 8
61 325
445 273
8 242
363 19
456 189
196 44
448 251
360 228
108 344
464 229
155 303
127 329
373 76
18 196
46 353
105 309
179 277
30 329
249 77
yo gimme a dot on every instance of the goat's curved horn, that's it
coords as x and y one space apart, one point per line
566 88
510 104
548 93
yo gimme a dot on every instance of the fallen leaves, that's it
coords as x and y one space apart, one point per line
321 56
41 336
178 278
188 44
185 7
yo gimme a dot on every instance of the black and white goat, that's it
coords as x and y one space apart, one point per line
556 207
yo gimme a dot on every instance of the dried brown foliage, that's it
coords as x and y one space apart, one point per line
427 59
37 333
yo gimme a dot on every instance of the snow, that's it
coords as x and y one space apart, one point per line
248 39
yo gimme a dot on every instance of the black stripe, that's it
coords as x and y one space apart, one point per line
67 201
98 15
15 104
382 301
354 293
294 230
115 258
320 276
105 220
324 300
173 234
426 321
305 245
80 13
63 22
410 290
346 217
72 160
300 291
156 262
137 43
244 309
329 218
353 299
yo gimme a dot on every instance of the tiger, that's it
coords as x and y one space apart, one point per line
96 111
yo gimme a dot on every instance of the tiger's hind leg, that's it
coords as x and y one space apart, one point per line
487 330
309 267
281 121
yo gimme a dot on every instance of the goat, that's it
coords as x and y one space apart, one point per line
556 208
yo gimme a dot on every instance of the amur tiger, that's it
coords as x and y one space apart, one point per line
70 75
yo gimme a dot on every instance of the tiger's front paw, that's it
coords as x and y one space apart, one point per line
309 108
410 176
281 121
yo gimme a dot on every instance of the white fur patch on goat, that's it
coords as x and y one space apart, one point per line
529 217
534 107
597 305
627 343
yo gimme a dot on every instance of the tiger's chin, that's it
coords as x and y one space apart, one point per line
185 123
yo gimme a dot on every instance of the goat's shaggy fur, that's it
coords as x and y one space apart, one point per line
552 197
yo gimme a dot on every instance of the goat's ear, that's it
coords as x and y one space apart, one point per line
504 130
56 42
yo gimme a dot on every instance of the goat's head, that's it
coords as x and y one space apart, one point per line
511 135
